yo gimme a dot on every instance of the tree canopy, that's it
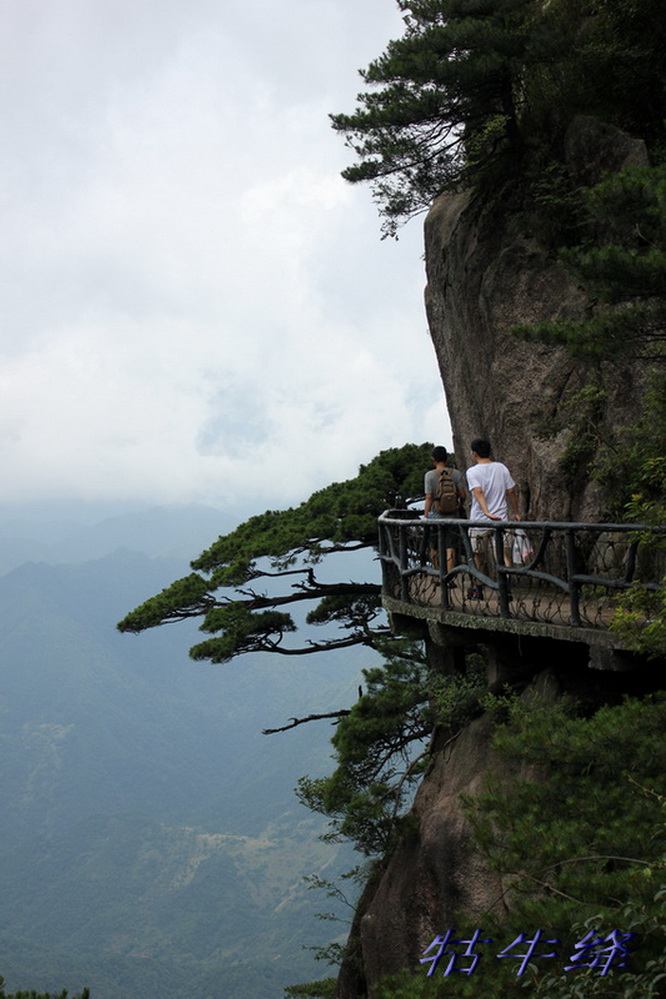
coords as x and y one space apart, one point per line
480 89
85 994
443 96
226 588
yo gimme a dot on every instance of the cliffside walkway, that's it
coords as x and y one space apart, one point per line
559 580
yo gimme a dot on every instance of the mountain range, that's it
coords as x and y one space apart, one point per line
152 845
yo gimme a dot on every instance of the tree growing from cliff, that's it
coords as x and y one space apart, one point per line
621 264
441 102
382 745
238 592
480 92
238 586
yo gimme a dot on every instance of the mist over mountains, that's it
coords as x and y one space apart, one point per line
151 844
76 535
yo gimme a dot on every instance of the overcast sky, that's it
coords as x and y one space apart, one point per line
194 306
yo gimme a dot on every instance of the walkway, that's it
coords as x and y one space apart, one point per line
536 578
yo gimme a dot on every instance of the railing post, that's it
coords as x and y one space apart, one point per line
383 553
574 588
441 560
404 585
502 578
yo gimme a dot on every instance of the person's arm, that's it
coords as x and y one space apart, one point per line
428 504
481 500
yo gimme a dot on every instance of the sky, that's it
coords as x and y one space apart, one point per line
195 307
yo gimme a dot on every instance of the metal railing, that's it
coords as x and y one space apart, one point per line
548 572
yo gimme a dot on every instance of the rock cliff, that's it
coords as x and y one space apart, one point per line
486 272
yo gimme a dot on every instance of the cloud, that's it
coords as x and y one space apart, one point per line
194 302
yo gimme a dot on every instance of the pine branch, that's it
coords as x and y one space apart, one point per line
293 722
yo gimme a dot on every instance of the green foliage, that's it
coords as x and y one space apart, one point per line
557 202
645 921
639 620
374 751
440 101
639 494
581 769
622 265
290 543
476 91
582 414
341 514
240 629
621 55
457 699
322 989
42 995
379 746
575 827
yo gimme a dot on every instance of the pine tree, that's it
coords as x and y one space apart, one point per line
279 546
442 102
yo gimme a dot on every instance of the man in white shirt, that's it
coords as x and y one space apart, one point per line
491 486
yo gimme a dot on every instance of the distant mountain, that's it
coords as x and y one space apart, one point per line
177 532
151 842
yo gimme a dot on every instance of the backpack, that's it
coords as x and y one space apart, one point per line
446 498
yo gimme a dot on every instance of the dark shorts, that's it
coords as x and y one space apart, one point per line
451 535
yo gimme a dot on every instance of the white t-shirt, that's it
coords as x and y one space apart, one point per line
494 479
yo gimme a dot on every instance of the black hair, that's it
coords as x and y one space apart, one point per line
481 447
440 453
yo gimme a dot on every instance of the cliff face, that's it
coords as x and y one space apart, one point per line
486 272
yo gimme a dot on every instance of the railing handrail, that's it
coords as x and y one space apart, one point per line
561 525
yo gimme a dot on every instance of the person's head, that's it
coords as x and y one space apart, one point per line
439 454
481 447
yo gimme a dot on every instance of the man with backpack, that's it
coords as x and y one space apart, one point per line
445 496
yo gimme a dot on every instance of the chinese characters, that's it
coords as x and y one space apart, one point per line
595 951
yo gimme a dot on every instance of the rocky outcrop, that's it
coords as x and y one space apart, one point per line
487 272
433 873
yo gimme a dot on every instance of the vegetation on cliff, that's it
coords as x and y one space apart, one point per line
481 91
379 741
579 841
480 94
381 747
